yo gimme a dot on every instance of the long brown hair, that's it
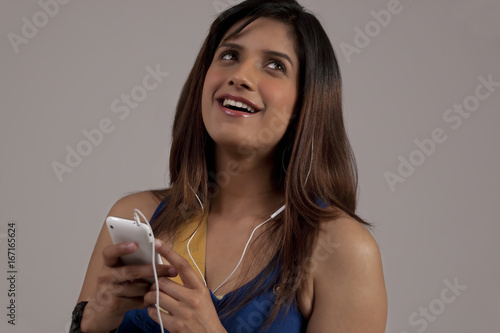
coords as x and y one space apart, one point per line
314 167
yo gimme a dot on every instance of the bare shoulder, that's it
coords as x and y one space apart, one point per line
145 201
351 240
349 287
347 251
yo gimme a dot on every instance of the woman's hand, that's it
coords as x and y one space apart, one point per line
120 288
190 307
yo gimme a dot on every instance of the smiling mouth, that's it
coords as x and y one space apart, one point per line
237 106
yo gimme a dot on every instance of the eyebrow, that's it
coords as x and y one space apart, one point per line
267 52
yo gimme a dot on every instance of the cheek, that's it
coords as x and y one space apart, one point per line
209 88
213 79
282 102
281 96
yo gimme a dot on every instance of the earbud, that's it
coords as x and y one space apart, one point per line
276 213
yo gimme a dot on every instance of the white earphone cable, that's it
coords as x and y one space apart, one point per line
190 256
276 213
157 305
242 255
137 212
311 162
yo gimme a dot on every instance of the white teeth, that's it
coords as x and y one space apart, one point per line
231 102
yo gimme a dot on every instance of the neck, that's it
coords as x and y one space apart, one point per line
243 186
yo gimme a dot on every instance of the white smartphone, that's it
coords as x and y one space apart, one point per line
123 230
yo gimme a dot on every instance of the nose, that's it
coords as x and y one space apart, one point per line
243 76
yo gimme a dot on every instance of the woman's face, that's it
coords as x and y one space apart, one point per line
250 89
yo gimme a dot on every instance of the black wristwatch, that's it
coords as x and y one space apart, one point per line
76 317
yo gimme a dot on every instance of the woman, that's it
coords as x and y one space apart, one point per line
259 157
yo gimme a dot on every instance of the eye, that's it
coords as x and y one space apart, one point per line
228 55
277 65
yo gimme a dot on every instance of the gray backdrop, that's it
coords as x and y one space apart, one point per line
422 97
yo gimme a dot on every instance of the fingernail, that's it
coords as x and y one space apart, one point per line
158 243
130 246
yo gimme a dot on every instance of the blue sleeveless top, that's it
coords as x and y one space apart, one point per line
248 319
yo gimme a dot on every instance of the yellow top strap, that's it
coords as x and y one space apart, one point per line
197 247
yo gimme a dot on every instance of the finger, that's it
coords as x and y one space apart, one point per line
167 303
112 253
166 270
167 318
172 289
188 276
140 272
